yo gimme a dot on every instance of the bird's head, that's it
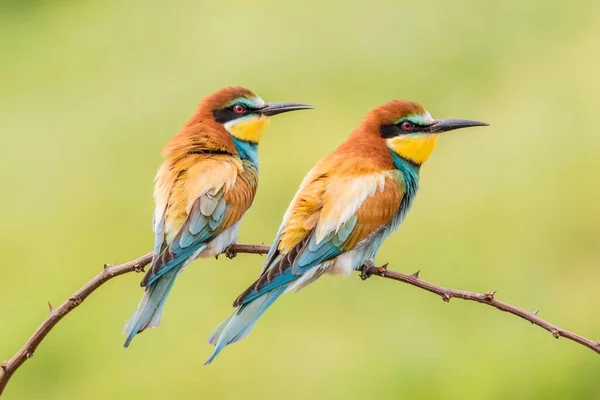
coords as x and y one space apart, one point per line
242 113
410 131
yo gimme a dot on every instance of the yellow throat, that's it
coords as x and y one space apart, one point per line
415 148
248 129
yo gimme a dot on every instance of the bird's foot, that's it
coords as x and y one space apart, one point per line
364 270
230 253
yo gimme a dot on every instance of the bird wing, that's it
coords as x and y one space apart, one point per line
329 215
194 203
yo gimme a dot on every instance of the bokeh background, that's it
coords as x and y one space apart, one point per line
91 90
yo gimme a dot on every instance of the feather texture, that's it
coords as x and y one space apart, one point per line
202 190
345 207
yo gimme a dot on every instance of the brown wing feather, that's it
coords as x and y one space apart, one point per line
214 176
373 214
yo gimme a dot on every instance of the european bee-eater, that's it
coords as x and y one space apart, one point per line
204 186
346 206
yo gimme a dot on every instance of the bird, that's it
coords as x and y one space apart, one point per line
345 208
205 184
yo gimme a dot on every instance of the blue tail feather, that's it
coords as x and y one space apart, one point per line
241 322
150 308
278 281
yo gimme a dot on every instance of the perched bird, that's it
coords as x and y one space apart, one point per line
346 206
203 188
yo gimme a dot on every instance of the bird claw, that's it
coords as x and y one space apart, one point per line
230 253
364 270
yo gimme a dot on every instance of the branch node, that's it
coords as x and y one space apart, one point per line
555 332
29 354
230 253
4 365
416 274
74 301
446 297
138 268
489 296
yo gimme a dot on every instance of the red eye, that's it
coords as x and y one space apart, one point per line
239 109
407 126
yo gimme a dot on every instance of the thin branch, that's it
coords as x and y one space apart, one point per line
483 298
9 367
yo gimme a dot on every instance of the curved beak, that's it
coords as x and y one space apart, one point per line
445 125
278 108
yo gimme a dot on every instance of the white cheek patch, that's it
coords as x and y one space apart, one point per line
258 102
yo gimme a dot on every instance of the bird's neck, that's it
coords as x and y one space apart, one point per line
248 150
410 172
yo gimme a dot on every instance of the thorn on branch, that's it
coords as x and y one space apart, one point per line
107 266
383 270
50 308
534 313
230 253
555 333
416 274
489 296
446 297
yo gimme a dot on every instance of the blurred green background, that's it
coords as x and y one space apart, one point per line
91 90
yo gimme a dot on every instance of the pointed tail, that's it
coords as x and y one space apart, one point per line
150 308
241 322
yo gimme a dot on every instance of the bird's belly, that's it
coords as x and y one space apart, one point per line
221 242
365 251
348 262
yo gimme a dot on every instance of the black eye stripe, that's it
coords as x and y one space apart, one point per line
393 130
227 114
390 131
416 127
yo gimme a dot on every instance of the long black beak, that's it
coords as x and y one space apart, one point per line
278 108
445 125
